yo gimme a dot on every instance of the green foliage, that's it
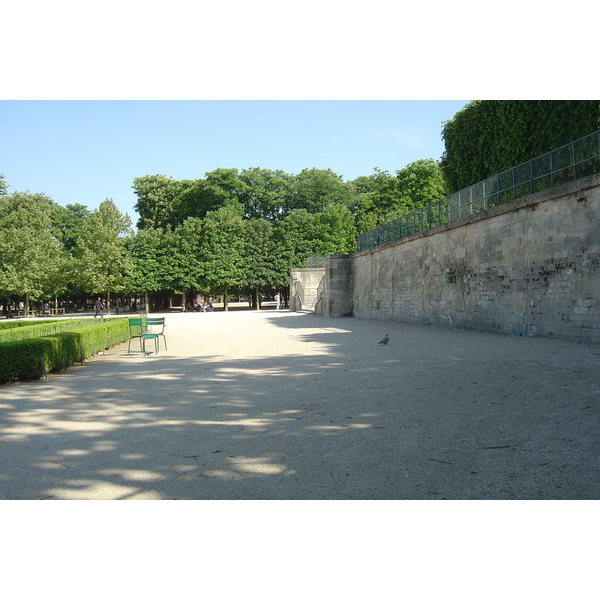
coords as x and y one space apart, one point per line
14 324
158 205
421 183
3 186
296 238
314 189
180 267
264 193
32 357
146 249
165 203
259 256
302 234
20 330
67 223
102 263
335 231
487 137
382 197
221 249
30 258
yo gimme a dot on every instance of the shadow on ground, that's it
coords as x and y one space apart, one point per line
436 414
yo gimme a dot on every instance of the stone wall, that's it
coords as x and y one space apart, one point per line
531 266
338 287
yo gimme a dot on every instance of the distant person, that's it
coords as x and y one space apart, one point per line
278 300
99 306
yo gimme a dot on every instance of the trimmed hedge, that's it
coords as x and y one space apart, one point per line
13 324
487 137
21 330
34 357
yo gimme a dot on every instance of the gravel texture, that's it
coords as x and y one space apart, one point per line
278 405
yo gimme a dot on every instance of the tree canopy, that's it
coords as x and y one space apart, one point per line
101 261
30 257
487 137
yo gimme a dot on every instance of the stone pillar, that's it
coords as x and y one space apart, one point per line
339 286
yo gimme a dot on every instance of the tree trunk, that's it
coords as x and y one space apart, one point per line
26 304
256 299
147 302
225 302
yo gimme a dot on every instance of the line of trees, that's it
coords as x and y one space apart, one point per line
242 231
230 232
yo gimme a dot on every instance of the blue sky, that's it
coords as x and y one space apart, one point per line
86 151
91 99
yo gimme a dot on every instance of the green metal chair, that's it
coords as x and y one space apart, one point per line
136 328
156 326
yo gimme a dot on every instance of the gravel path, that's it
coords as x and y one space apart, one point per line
280 405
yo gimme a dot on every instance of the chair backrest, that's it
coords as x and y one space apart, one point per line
152 322
136 326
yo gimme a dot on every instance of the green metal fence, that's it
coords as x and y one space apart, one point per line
573 161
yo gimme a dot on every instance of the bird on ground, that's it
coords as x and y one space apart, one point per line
385 340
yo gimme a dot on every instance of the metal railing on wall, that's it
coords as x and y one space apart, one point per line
573 161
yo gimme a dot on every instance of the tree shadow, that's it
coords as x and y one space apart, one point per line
357 421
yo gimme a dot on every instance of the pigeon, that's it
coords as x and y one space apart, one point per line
385 340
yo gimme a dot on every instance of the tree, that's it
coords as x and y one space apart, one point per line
180 259
377 197
314 189
30 258
335 231
264 193
302 234
159 203
67 223
420 183
102 263
222 187
259 259
221 250
382 197
296 238
145 252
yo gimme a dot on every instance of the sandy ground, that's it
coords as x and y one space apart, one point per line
279 405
